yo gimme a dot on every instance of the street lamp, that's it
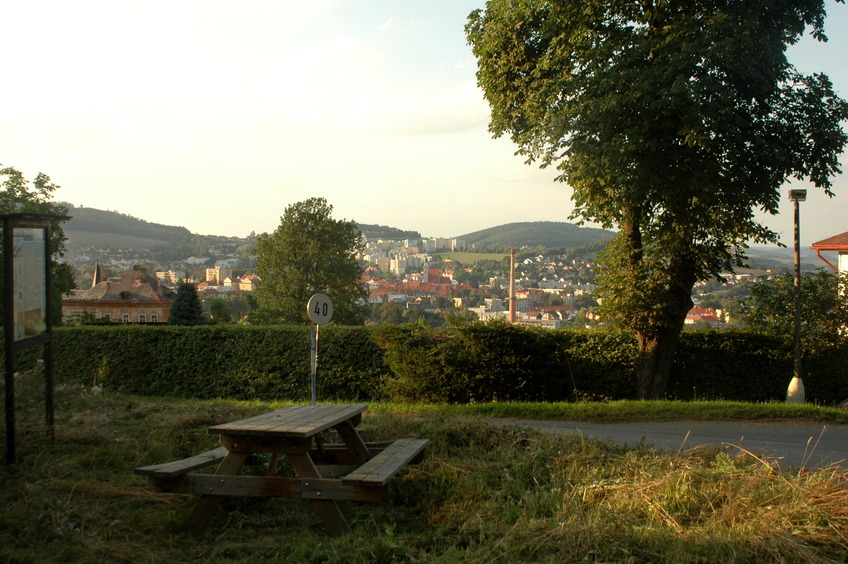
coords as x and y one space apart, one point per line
795 391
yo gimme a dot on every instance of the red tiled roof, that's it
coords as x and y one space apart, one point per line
707 318
701 311
835 243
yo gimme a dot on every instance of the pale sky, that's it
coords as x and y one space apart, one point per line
216 115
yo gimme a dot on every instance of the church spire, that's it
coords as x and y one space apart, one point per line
98 275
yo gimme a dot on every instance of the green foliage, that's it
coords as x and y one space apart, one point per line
219 312
770 309
101 221
18 196
386 232
310 252
212 361
733 365
483 493
546 234
476 362
672 122
186 309
470 362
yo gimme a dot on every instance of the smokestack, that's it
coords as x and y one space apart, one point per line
512 285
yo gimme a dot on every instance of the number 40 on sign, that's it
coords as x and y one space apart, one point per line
320 309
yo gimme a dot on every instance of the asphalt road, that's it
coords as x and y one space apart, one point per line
787 444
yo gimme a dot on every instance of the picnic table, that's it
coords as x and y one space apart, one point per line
324 472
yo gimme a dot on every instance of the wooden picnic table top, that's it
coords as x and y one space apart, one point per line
299 421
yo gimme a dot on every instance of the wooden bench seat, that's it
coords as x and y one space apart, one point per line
184 466
380 469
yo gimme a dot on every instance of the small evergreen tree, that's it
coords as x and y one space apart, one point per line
186 309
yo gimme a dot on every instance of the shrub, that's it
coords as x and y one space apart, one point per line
220 361
414 362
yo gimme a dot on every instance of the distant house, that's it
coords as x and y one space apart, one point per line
249 283
563 312
705 315
134 298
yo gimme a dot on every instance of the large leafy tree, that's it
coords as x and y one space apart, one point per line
310 252
673 121
770 308
19 195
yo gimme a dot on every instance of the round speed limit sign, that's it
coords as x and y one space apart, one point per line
320 309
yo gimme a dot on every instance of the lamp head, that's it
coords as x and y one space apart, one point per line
798 195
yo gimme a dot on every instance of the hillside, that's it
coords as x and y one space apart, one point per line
780 259
549 234
90 226
386 232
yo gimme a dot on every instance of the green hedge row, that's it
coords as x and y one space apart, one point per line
221 361
474 363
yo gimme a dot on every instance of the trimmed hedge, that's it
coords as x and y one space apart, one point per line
473 363
221 361
497 361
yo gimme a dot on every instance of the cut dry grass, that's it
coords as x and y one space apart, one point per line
483 494
632 411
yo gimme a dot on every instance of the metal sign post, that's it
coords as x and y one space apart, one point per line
320 310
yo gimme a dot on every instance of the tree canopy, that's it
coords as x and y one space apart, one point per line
186 309
673 121
310 252
18 195
770 308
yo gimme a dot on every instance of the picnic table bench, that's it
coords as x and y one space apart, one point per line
324 473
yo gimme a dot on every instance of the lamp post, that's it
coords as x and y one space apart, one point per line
795 391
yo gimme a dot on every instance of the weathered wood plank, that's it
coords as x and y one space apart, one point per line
184 466
208 504
296 421
329 511
380 469
353 441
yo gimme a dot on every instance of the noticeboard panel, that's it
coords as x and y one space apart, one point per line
29 282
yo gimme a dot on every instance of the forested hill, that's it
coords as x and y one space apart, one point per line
99 221
90 226
548 234
387 233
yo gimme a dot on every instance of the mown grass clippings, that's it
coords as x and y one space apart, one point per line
482 494
634 411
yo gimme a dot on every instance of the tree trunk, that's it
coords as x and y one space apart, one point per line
656 348
653 362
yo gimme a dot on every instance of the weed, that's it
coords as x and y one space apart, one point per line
482 494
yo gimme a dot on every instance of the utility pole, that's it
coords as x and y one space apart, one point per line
795 392
512 285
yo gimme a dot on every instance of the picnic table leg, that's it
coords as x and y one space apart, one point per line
207 504
330 513
353 441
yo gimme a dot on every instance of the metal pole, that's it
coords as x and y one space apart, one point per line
314 382
795 392
512 285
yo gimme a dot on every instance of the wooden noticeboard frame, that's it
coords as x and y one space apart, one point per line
27 308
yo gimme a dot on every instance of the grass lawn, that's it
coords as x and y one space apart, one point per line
482 494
